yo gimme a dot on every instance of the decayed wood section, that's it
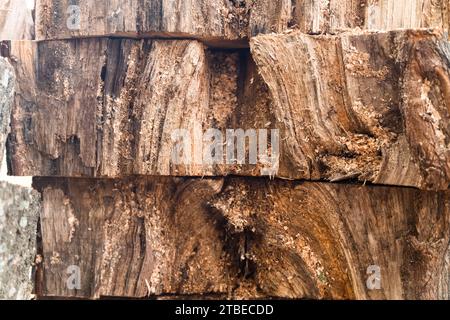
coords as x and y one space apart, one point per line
240 238
232 19
114 113
122 248
375 107
372 106
16 19
316 16
97 101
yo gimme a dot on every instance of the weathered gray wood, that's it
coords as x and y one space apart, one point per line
7 81
241 238
19 212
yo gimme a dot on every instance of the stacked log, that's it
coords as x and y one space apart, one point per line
241 238
359 92
370 106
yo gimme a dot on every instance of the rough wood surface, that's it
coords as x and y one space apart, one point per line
375 107
316 16
371 106
19 212
351 104
241 238
128 238
209 20
16 19
114 113
233 19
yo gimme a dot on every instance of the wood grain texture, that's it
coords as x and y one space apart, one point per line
228 20
16 20
114 105
133 238
316 16
371 106
208 20
241 238
74 83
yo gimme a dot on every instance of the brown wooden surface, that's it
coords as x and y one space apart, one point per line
370 106
354 101
375 107
315 16
242 238
114 113
219 20
209 20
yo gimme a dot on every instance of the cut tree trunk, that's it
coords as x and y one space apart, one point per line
317 16
371 106
230 20
241 238
99 97
115 113
375 106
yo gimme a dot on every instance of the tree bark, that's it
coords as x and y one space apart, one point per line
19 212
7 81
